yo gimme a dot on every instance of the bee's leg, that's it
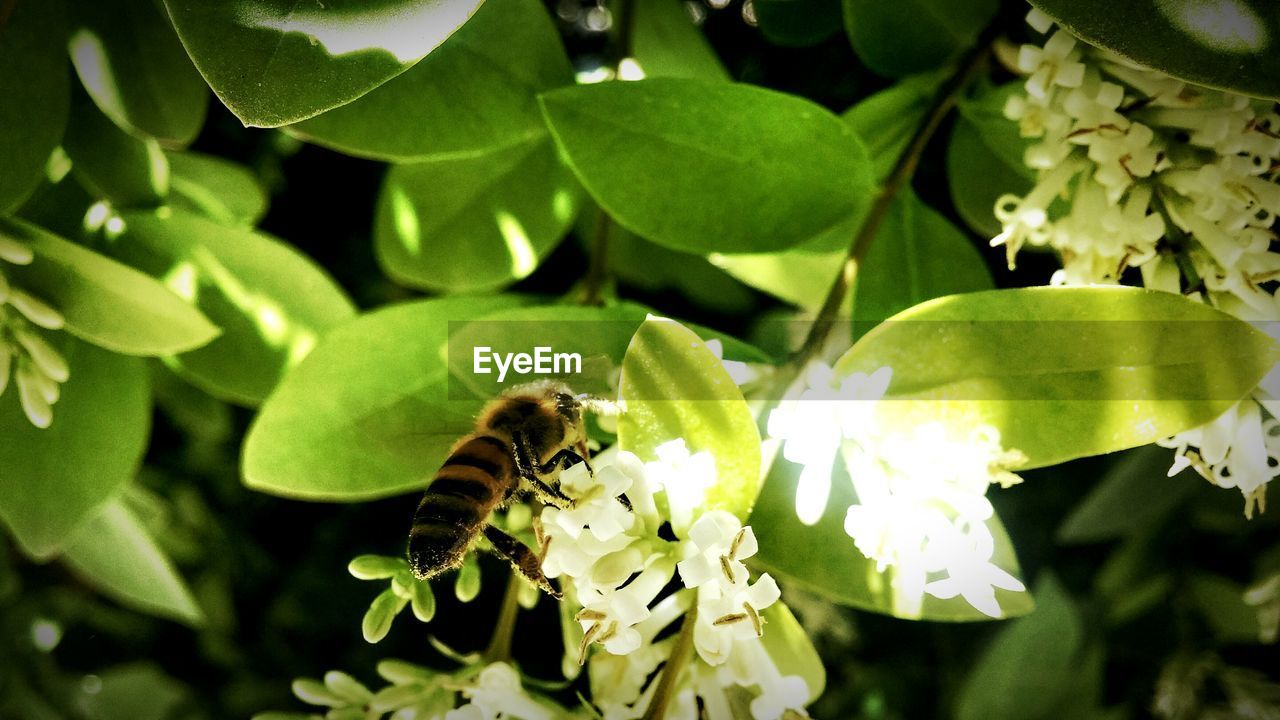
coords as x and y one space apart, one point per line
522 558
527 467
564 459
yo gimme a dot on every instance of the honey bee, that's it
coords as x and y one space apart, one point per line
522 440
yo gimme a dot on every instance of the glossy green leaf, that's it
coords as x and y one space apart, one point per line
272 302
977 177
801 276
103 301
666 43
1228 44
53 480
474 223
1002 136
1029 668
367 414
216 188
886 120
130 61
709 166
275 62
641 264
33 83
798 23
1065 372
114 553
897 39
1133 497
475 95
791 649
673 387
833 567
918 255
111 163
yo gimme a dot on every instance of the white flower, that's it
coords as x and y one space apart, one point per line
814 425
730 616
497 693
717 545
965 555
684 478
38 369
609 618
1240 449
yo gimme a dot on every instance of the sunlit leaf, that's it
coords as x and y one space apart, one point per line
708 166
475 95
666 43
798 23
1065 372
902 38
274 62
673 388
833 567
114 553
103 301
111 163
1132 498
216 188
53 480
33 83
928 258
272 303
1228 44
791 649
474 223
1029 668
368 413
801 276
130 61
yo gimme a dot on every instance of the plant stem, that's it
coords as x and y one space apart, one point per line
499 649
680 655
598 272
898 178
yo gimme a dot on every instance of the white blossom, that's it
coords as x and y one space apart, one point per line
1137 168
497 693
37 368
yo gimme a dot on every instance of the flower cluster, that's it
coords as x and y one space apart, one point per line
619 568
922 508
1137 169
38 369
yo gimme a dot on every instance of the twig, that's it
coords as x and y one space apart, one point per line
598 272
899 177
499 649
679 657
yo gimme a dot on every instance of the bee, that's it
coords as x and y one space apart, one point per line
523 439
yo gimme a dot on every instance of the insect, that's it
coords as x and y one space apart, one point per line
522 440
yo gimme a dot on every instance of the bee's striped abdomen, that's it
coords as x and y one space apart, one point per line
475 479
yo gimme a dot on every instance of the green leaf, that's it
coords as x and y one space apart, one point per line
1227 44
367 414
437 110
798 23
133 66
382 612
897 39
272 302
977 177
275 62
801 276
707 166
216 188
477 222
666 43
1002 136
1221 604
375 567
136 691
103 301
1065 372
111 163
1133 497
919 256
833 567
53 480
1029 668
33 83
791 649
114 553
886 120
673 387
655 269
